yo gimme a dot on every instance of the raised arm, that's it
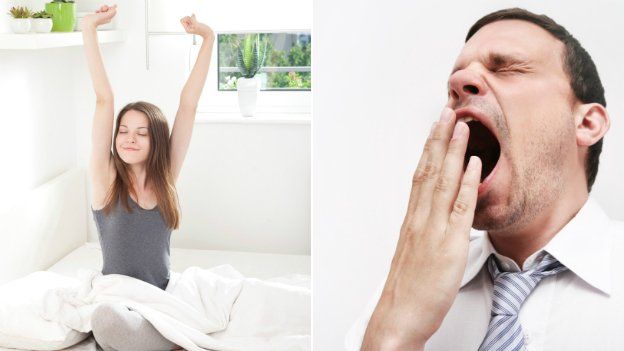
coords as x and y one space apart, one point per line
102 131
185 117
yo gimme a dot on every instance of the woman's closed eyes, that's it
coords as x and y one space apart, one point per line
141 134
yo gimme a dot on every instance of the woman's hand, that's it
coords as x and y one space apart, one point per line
102 16
192 26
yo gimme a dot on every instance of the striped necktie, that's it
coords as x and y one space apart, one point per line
510 290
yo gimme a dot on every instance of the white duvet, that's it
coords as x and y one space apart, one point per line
201 309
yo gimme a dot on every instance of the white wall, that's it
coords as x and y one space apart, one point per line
36 114
380 81
247 187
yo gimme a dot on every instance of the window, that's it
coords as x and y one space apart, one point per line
286 66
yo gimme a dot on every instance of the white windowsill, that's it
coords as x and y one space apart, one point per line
258 118
32 41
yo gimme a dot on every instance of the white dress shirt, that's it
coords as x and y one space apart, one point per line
579 309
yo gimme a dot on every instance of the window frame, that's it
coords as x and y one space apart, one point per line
215 101
265 68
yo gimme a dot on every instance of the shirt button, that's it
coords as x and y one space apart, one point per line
527 338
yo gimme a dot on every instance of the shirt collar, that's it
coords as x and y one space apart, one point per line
582 245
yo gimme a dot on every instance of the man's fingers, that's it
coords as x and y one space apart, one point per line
462 213
447 185
427 176
415 180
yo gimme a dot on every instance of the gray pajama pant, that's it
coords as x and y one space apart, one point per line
115 327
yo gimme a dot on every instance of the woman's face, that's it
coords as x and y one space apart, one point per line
132 140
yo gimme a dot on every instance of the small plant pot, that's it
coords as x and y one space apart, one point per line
20 25
63 16
42 25
248 89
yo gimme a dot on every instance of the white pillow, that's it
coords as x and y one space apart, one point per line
21 325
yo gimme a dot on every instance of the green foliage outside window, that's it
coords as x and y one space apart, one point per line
283 50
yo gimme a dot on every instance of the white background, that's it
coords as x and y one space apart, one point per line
381 69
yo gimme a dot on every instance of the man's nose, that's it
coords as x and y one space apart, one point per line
464 84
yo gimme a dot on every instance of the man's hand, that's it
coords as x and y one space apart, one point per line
192 26
102 16
432 250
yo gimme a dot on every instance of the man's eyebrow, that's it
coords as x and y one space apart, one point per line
496 60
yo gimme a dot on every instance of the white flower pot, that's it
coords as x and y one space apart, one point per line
248 89
20 25
42 25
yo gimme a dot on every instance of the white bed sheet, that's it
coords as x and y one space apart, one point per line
250 264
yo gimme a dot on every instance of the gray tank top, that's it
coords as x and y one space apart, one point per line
134 244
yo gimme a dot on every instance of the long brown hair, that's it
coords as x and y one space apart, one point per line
158 166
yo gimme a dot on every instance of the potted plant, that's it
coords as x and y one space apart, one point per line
63 15
249 61
42 22
20 23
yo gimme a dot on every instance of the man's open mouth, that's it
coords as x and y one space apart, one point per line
482 143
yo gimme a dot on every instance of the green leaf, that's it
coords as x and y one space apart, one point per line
240 63
247 51
264 51
20 12
254 62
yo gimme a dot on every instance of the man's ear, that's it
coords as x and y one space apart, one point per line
592 123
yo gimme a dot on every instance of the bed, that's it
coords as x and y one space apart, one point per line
55 239
250 264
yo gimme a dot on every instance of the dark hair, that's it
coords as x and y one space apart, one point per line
578 65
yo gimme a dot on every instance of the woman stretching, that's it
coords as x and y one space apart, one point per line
134 200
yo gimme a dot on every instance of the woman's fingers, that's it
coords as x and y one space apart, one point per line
188 22
105 8
188 19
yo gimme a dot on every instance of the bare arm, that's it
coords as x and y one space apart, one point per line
195 83
101 134
431 254
102 87
189 98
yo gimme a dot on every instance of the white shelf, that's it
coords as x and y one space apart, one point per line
33 41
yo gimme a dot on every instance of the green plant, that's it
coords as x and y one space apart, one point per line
20 12
64 1
250 55
41 14
230 83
